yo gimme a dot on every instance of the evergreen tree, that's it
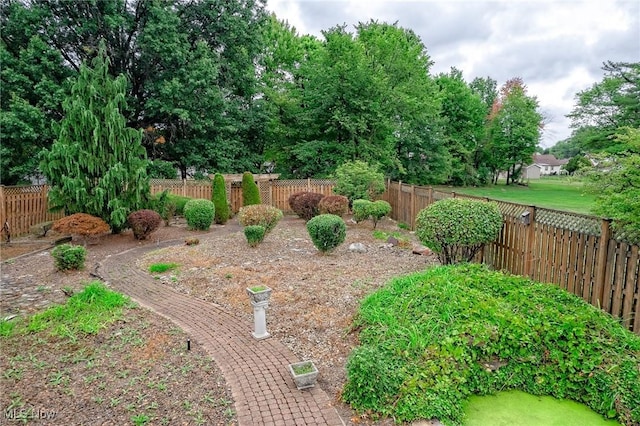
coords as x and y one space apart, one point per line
220 200
250 191
97 164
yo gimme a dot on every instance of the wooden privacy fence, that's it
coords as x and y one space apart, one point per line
24 206
576 252
273 192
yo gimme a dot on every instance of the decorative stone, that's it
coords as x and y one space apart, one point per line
357 248
422 250
393 240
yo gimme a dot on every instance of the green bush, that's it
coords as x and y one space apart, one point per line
222 212
327 231
199 214
456 229
68 256
358 180
361 210
250 191
377 210
334 204
431 339
260 214
179 201
254 234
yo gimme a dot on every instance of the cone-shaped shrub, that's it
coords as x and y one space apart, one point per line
250 191
327 231
199 214
220 200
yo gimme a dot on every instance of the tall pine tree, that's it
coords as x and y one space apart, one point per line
97 164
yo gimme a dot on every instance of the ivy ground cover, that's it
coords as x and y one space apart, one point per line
430 340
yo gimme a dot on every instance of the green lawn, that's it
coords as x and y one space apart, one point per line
555 193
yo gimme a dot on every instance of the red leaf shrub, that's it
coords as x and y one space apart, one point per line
143 223
81 224
334 204
305 204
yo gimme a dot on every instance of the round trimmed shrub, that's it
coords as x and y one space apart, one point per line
199 214
360 209
456 229
378 210
254 234
222 212
250 191
68 256
260 214
305 204
143 223
327 231
334 204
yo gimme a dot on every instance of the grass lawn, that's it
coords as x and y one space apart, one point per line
554 193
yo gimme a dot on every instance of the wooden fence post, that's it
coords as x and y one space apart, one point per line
399 194
430 198
412 219
3 206
597 296
528 250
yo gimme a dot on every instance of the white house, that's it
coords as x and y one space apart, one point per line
549 164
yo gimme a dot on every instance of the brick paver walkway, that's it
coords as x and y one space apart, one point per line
256 371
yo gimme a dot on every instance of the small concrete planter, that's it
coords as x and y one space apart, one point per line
304 374
259 294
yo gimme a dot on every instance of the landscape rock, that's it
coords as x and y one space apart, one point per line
357 248
422 250
393 240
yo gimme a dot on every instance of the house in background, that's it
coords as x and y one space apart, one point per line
549 164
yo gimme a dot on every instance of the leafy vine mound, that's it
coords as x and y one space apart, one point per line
431 339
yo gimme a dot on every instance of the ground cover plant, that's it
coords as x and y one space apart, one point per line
98 358
431 339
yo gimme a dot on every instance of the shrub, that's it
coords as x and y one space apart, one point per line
68 256
143 223
191 241
430 340
260 214
254 234
199 214
250 191
219 199
327 231
455 229
305 204
334 204
358 180
377 210
81 224
360 210
179 201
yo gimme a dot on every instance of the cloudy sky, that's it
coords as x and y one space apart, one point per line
556 47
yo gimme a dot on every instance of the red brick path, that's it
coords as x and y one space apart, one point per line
256 371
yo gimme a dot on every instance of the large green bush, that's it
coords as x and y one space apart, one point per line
456 229
199 214
260 214
220 202
68 256
327 231
431 339
250 191
358 180
360 210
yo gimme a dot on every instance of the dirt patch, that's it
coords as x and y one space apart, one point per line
314 296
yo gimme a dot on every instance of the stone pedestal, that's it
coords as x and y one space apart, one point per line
260 320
